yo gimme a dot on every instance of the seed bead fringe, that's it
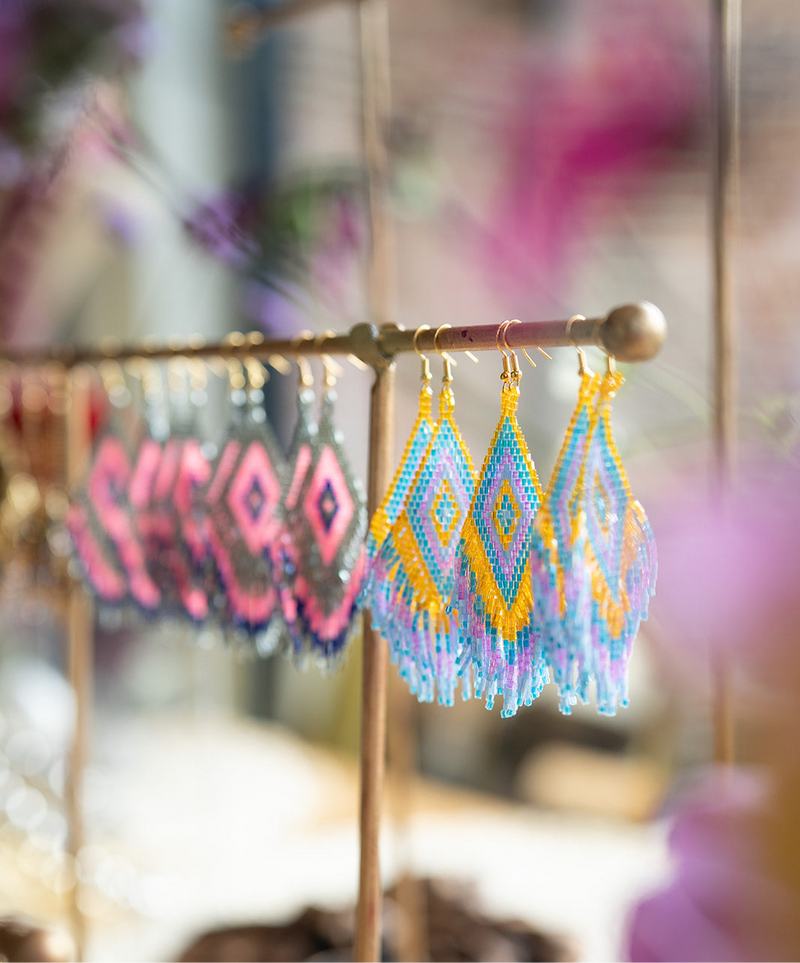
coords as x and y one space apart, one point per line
413 572
593 560
499 653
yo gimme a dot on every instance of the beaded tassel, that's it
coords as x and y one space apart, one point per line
395 498
413 571
593 562
493 587
321 552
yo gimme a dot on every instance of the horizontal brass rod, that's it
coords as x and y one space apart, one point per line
633 332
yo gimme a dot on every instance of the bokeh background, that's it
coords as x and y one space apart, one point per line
547 158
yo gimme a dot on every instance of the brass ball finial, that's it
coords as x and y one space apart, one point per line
634 332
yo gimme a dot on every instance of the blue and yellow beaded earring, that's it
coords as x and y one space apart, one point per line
561 577
395 499
492 594
414 569
593 562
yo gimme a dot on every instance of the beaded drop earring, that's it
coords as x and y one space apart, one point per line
413 571
155 497
100 518
397 495
321 549
593 561
193 529
243 500
492 595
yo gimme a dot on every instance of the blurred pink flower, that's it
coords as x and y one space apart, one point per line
724 571
593 132
722 903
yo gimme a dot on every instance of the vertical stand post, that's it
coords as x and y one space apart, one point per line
726 60
373 24
373 703
410 897
80 650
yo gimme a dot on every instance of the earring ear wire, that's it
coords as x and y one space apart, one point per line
524 350
306 374
510 354
426 364
332 369
448 361
582 365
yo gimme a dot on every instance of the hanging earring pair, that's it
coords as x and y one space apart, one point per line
413 571
492 596
593 559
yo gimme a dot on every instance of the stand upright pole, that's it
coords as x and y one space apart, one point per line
80 652
373 22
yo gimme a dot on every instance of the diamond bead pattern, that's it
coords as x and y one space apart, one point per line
243 501
593 562
413 570
492 595
396 496
320 558
101 524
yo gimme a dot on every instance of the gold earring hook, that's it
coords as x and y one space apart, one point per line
198 378
306 374
256 372
524 350
332 369
236 374
503 349
445 354
426 364
112 375
512 372
357 363
148 372
447 361
279 363
582 365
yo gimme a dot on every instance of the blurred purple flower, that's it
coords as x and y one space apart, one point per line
216 226
136 37
123 224
332 256
722 903
278 313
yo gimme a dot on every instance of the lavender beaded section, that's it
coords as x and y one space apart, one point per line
593 560
414 569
